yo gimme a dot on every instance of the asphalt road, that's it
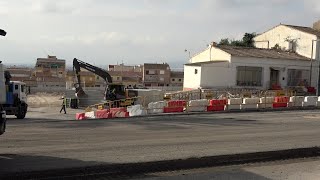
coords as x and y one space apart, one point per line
298 169
48 140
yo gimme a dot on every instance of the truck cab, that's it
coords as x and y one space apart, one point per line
16 99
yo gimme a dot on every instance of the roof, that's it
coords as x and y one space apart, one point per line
309 30
176 74
206 62
156 66
261 53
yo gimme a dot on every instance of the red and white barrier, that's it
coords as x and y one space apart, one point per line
217 105
119 112
174 106
280 102
103 114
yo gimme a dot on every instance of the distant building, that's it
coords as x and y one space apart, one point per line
22 74
50 72
156 75
125 68
129 79
88 79
176 78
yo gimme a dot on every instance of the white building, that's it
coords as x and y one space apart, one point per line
239 67
303 40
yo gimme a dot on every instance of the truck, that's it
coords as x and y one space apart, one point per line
13 98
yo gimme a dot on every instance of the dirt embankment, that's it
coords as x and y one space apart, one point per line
44 99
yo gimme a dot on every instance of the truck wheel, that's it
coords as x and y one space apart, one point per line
22 113
2 122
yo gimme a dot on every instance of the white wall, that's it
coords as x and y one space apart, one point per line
217 75
266 63
278 35
191 80
205 56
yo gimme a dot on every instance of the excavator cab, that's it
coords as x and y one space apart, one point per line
115 91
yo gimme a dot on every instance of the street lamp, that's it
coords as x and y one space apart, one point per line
189 54
311 62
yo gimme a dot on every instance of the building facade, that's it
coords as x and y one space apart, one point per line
176 78
240 67
156 75
125 68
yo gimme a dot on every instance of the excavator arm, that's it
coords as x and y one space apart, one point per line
78 64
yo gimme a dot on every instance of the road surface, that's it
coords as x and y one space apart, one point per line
47 140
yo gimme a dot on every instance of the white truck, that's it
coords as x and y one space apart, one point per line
12 96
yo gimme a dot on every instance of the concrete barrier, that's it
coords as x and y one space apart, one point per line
90 115
156 107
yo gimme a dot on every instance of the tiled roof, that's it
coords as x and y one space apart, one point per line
304 29
261 53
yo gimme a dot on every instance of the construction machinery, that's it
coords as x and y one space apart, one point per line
12 96
112 91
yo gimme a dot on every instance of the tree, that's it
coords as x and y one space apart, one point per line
224 41
247 41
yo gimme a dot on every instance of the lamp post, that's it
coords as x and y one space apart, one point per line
188 53
311 62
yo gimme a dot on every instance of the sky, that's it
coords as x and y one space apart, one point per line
105 32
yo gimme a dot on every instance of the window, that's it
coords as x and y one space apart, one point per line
161 85
180 80
16 87
161 79
173 80
249 76
162 72
147 85
150 72
60 72
196 71
22 88
118 78
297 77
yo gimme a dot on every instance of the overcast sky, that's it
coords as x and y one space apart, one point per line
135 31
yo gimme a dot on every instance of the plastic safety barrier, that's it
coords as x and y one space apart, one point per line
266 102
103 114
217 105
136 110
90 115
310 101
296 101
250 103
234 103
156 107
80 116
198 103
119 112
174 106
280 102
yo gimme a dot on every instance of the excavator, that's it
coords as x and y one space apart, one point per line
112 91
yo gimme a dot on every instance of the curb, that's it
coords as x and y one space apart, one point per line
134 169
